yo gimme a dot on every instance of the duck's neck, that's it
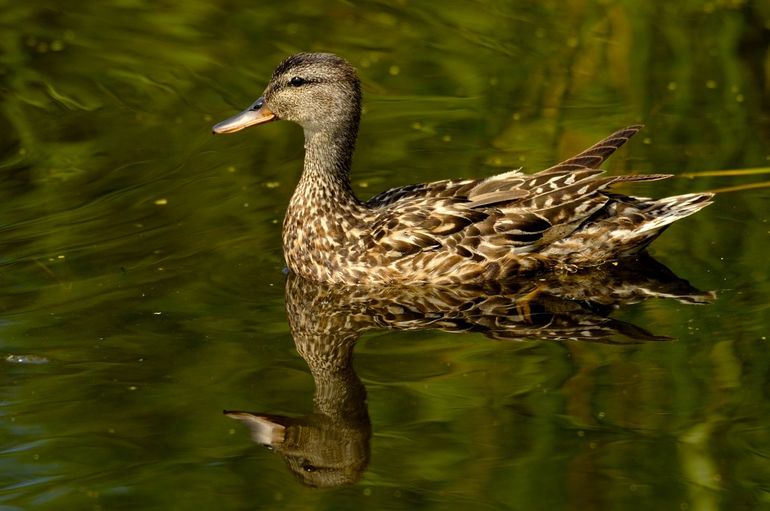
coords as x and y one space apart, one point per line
323 212
328 158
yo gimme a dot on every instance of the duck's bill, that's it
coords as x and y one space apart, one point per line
257 113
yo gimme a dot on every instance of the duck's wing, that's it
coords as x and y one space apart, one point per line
512 185
419 223
510 211
541 212
508 185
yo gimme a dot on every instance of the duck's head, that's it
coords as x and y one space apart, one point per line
315 90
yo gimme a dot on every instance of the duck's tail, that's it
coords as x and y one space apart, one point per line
662 212
624 228
654 217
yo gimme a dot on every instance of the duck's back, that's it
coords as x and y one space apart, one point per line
466 230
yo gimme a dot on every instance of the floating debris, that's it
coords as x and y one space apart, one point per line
26 359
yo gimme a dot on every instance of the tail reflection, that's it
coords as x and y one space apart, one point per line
330 447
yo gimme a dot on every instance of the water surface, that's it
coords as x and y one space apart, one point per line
141 268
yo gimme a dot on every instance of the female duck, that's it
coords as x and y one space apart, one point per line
454 231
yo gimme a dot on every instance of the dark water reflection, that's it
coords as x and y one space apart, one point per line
141 290
330 447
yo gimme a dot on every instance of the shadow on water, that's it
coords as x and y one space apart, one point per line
330 447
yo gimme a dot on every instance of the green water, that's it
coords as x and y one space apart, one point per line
141 283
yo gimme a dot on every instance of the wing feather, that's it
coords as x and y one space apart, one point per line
514 210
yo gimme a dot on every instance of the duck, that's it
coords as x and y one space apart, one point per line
454 231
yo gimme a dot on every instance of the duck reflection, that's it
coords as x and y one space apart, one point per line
330 447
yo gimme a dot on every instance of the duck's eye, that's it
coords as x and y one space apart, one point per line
297 81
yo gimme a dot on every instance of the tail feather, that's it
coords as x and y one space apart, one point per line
663 212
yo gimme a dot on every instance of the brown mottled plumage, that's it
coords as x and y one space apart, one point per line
454 231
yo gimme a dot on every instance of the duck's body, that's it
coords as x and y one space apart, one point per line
447 231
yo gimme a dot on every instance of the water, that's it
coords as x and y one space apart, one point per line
143 293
